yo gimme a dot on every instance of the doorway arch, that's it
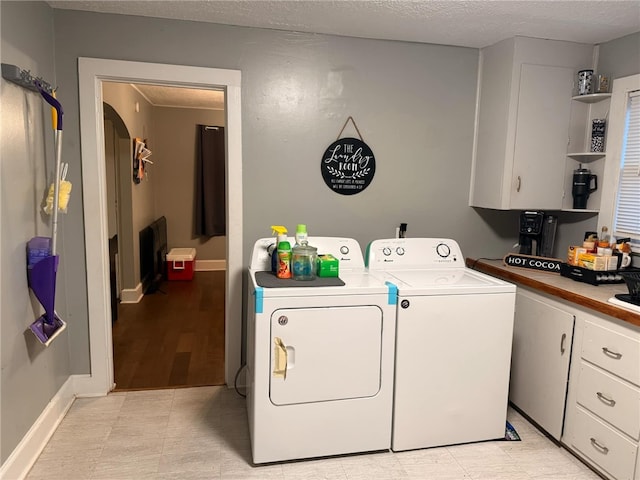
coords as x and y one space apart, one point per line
91 73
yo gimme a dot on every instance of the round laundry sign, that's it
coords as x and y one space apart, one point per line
348 166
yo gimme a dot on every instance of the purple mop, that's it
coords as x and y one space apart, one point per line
42 269
42 280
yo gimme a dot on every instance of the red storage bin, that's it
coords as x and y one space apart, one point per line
180 263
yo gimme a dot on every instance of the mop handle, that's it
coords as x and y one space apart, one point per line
57 126
51 100
56 193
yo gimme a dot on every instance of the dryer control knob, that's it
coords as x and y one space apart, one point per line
400 251
344 250
443 250
386 251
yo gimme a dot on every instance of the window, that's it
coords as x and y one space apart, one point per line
627 208
620 207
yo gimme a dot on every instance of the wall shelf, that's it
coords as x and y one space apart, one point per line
585 108
580 210
591 98
585 157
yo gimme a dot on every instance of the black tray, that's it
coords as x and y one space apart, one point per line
593 277
632 279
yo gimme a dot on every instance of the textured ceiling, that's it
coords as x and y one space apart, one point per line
464 23
453 22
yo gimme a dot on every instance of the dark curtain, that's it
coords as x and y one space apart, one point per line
210 183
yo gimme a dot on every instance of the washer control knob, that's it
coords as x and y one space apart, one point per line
344 249
386 251
400 251
443 250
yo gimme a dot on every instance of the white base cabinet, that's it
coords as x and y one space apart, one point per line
602 424
596 414
542 336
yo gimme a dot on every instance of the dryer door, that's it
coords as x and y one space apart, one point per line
323 354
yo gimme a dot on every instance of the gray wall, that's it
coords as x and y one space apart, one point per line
620 57
414 105
123 97
31 373
174 154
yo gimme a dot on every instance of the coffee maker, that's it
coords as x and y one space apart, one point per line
581 187
537 233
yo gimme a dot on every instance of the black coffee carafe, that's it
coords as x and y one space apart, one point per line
582 186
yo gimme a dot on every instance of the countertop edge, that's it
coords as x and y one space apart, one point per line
598 306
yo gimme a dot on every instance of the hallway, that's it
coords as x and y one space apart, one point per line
173 337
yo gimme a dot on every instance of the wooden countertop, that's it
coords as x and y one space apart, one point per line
584 294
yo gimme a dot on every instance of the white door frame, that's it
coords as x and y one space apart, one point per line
91 73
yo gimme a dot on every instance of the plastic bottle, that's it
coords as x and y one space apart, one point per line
301 235
273 249
284 254
284 258
603 241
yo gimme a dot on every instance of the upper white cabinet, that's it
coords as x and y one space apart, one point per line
524 113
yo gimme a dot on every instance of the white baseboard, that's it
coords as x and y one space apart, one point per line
210 265
86 386
30 447
131 295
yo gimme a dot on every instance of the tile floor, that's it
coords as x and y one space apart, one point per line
202 433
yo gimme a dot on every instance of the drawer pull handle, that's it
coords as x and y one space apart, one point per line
597 445
562 340
611 353
519 184
606 400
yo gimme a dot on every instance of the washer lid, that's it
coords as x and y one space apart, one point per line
449 281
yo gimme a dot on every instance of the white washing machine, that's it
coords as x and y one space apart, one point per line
319 358
453 344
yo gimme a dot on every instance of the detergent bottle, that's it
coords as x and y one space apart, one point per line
283 253
301 235
272 249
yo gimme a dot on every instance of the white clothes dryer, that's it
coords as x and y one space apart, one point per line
319 358
453 344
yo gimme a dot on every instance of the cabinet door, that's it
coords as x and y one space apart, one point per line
542 339
542 134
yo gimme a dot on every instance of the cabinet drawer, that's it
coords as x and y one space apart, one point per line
612 351
606 448
612 400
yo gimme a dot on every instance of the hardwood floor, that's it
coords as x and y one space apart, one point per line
172 338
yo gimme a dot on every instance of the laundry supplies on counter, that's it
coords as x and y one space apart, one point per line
303 262
284 257
303 256
302 237
327 265
280 253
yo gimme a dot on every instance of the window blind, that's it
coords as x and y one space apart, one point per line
627 211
